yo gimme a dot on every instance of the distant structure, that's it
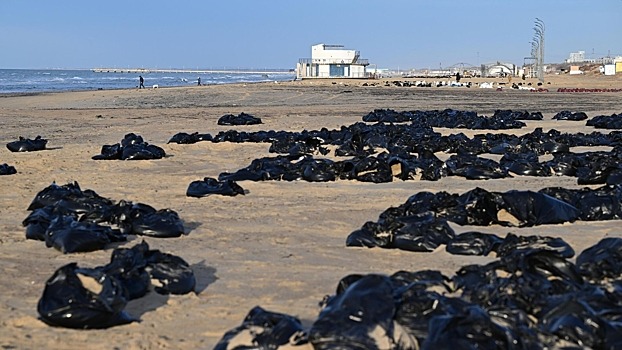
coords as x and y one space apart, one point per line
579 57
498 69
576 57
538 49
331 61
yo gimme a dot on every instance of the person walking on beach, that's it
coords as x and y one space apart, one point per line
199 81
142 82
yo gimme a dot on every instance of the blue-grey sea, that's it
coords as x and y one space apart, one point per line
56 80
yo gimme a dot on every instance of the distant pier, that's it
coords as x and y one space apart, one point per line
197 71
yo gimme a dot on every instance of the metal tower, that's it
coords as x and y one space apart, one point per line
537 49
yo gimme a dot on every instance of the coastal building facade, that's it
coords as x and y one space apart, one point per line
332 61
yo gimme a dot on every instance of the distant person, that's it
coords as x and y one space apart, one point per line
523 76
458 77
199 81
142 82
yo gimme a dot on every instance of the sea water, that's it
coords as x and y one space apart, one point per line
56 80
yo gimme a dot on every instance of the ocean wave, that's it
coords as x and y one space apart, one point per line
55 80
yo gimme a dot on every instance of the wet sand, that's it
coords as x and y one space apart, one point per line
281 246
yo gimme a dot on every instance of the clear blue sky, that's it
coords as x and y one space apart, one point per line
276 33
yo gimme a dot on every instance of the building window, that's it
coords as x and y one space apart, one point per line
336 70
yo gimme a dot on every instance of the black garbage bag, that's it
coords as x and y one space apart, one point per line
561 167
98 302
614 177
207 186
132 147
366 169
598 170
129 267
70 236
361 318
263 169
142 151
473 167
402 167
6 169
548 271
469 327
317 170
420 233
353 145
432 168
552 147
131 139
109 152
613 121
185 138
474 207
419 300
38 221
525 164
143 219
512 243
95 297
370 235
602 260
27 145
568 115
54 193
535 208
294 146
473 243
69 199
602 203
173 273
577 321
387 116
262 329
508 114
240 119
136 267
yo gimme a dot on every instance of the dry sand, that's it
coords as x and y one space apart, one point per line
282 245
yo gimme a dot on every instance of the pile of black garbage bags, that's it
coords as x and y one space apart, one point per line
532 296
27 145
132 147
613 121
72 220
79 297
388 150
240 119
209 186
451 118
421 223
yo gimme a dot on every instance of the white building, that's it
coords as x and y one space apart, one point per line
332 61
576 57
498 69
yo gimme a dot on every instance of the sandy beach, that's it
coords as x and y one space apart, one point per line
282 245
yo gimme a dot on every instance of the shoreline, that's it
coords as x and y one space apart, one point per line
552 82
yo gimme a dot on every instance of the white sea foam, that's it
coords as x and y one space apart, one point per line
25 80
